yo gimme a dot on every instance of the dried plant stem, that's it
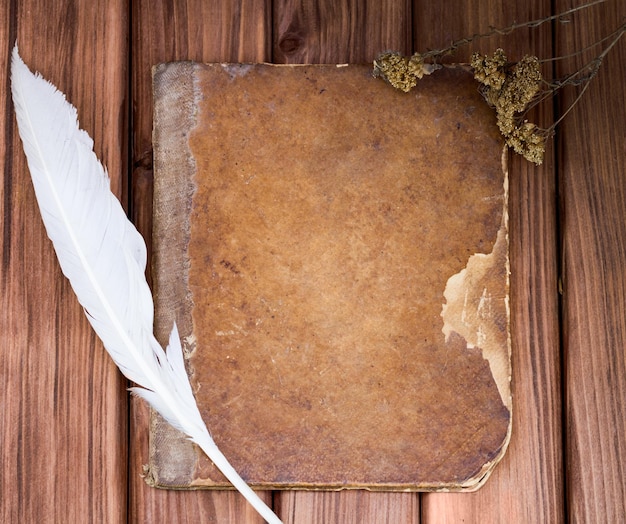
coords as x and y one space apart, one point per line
512 89
436 53
593 67
614 34
573 79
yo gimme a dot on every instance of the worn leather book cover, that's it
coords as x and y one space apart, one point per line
335 254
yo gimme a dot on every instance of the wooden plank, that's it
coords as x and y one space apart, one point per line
350 507
346 31
63 430
166 31
339 32
592 160
196 30
527 486
74 420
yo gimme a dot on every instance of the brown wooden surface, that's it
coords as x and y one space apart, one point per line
592 196
63 430
66 451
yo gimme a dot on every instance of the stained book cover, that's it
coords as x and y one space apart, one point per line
335 255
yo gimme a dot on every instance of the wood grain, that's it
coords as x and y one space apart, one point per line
592 166
527 486
76 407
205 32
337 32
350 507
63 430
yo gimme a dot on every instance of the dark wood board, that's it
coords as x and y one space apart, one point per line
592 194
64 426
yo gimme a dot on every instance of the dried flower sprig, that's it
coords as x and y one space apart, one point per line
435 54
401 72
512 89
586 73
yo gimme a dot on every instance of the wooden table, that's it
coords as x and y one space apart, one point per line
73 445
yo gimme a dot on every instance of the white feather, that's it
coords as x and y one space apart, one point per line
104 258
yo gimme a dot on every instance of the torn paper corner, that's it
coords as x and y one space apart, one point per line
477 308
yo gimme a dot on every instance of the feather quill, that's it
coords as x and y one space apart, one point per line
104 258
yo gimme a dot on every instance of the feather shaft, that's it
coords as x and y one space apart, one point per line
104 258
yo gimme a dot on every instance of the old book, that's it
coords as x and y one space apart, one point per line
335 254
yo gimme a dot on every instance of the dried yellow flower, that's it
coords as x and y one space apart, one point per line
509 89
402 73
418 68
489 71
394 68
522 83
529 141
